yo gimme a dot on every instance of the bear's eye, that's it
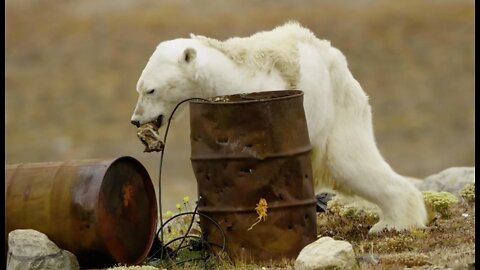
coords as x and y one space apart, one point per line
150 91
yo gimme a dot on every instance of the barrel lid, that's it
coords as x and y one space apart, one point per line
127 211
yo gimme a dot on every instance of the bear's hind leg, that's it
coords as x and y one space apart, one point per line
356 165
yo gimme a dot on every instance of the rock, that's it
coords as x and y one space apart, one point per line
451 180
326 253
29 250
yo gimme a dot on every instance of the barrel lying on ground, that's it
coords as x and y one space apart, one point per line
103 211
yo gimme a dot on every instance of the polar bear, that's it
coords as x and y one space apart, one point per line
345 157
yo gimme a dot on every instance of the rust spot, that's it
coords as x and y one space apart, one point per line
127 192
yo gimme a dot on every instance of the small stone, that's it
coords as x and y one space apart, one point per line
450 180
32 250
326 253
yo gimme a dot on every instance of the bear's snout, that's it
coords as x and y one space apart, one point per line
135 123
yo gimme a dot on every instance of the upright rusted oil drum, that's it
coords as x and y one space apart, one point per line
251 146
103 211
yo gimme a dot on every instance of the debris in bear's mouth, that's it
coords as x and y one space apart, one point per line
148 135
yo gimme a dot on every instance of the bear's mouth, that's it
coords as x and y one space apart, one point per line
158 122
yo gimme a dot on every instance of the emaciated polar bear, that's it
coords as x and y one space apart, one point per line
345 156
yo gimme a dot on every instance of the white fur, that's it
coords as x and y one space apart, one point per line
345 156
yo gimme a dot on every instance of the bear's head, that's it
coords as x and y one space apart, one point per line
168 78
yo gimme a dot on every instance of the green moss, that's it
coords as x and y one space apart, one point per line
334 206
371 215
439 202
348 211
468 193
345 222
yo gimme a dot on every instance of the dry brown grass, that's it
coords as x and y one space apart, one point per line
446 243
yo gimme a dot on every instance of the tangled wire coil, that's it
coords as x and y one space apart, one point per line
201 242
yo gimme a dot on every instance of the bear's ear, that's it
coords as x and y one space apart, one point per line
189 55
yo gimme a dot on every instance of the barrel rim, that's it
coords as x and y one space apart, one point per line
294 94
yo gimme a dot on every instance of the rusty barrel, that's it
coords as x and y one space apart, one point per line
246 147
103 211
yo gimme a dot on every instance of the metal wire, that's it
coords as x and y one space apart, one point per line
194 213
